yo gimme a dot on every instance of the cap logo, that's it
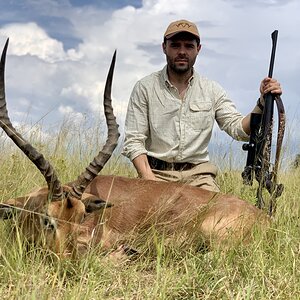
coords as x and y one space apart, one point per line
184 24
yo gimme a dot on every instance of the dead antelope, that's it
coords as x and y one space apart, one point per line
103 210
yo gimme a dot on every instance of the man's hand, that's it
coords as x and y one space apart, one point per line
270 85
142 166
267 85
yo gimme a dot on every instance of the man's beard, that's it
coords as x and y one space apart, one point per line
180 69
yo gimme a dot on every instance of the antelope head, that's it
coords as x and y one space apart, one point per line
56 214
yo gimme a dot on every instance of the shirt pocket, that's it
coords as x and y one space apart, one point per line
200 115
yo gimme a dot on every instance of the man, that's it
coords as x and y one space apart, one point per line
171 115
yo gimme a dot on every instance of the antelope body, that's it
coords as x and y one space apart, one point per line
105 210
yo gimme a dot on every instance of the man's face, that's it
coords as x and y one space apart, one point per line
181 52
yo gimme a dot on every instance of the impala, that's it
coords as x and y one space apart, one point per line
105 210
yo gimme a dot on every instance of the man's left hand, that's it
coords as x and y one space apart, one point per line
270 85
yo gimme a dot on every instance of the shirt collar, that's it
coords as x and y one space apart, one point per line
167 81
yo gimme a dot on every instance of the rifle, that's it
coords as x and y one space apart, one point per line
259 146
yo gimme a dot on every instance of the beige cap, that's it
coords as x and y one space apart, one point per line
181 26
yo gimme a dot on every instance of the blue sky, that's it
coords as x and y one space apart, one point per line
60 51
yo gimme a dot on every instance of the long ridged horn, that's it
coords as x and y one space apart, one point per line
54 186
113 134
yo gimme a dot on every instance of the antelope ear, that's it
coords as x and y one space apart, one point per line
92 205
69 203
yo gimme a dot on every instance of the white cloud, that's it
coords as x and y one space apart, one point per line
69 113
30 39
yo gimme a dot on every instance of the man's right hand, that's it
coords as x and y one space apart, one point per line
143 168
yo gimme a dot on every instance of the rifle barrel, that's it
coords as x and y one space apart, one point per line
274 36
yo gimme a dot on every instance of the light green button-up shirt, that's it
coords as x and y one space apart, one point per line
160 124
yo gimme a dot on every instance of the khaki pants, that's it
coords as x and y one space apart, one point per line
202 175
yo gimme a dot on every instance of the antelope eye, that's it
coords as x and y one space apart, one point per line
48 223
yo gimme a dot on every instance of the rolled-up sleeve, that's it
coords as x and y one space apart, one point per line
227 116
136 123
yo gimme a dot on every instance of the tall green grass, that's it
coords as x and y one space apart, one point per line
268 268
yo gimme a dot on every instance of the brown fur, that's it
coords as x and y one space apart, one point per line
138 205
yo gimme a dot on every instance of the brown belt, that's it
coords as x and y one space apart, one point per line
162 165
